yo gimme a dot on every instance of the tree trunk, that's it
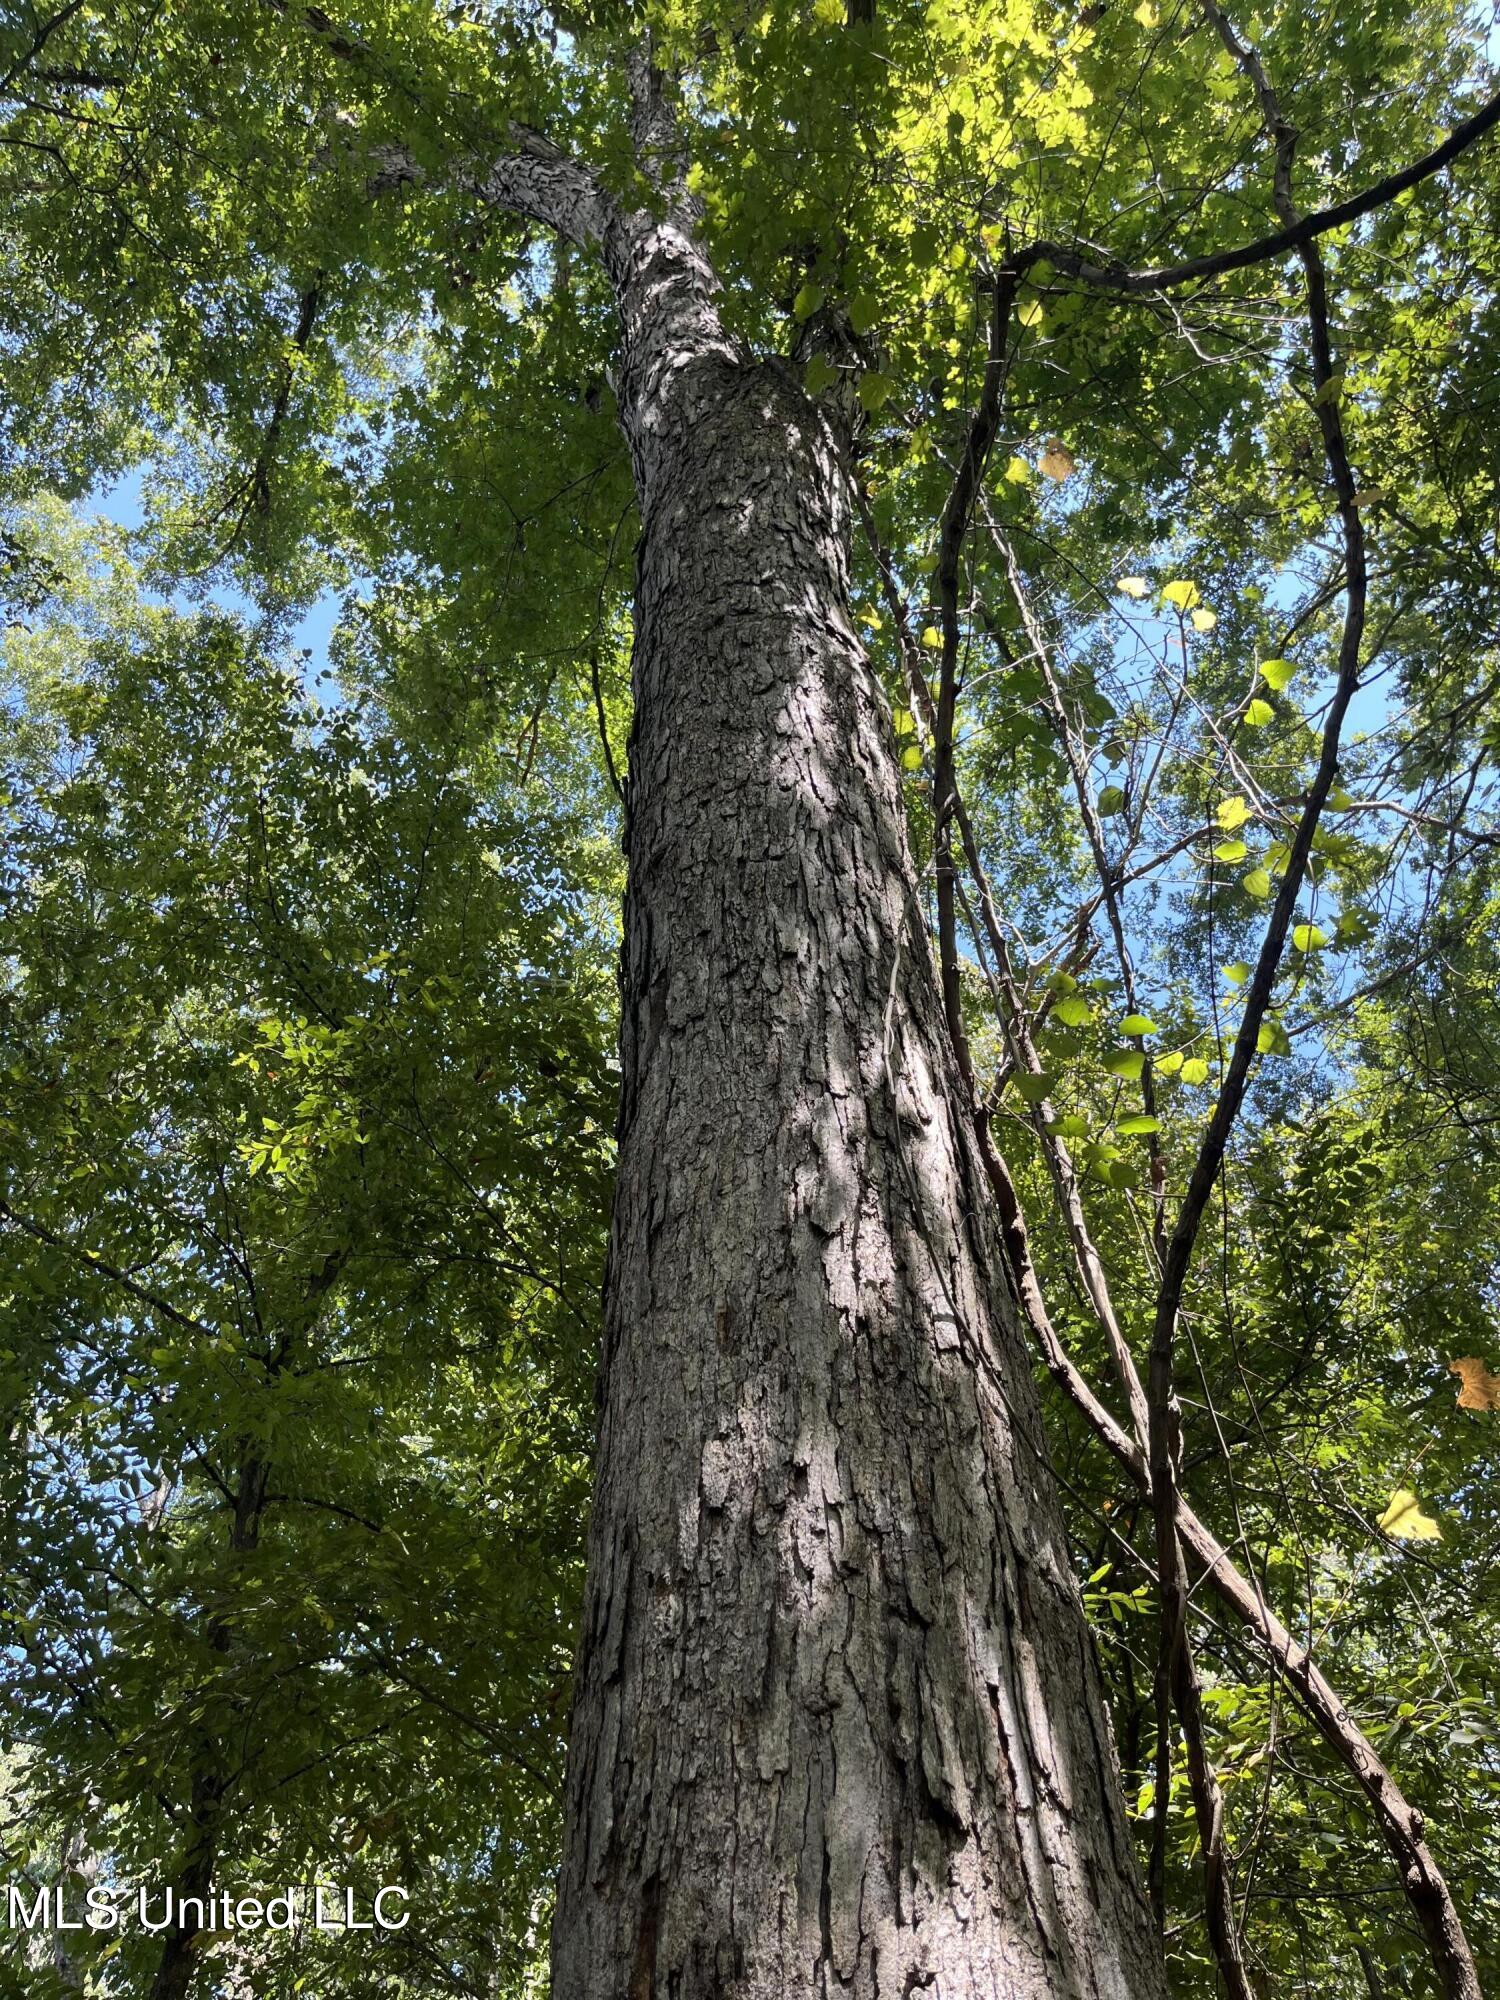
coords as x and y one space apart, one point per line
180 1958
838 1726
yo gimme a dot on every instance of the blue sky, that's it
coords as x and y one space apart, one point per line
121 501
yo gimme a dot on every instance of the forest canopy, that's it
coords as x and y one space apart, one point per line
1149 361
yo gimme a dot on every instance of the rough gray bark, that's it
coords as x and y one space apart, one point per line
838 1728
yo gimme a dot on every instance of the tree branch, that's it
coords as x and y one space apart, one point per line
1425 1885
87 1258
39 41
1111 276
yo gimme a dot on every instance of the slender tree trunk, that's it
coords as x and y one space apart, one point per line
210 1787
838 1727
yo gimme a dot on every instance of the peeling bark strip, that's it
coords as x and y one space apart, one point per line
838 1727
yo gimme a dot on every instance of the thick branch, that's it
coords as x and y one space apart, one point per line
538 182
1111 276
39 41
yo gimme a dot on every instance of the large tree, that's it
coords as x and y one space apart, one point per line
805 304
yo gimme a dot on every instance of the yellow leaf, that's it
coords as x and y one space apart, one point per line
1404 1520
1057 461
1182 593
1017 471
1205 621
1133 586
1032 313
932 637
1232 814
1479 1389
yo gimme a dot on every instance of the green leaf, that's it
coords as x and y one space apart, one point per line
875 390
820 374
1072 1011
1273 1040
1232 813
1073 1125
1276 673
1237 973
1111 801
864 312
1033 1088
807 301
1231 850
1168 1064
1404 1520
1138 1024
1258 882
1308 937
1137 1126
1258 713
1195 1070
1126 1063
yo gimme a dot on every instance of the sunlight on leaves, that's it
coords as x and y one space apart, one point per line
1478 1388
1404 1520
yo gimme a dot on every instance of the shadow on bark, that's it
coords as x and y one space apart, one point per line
838 1727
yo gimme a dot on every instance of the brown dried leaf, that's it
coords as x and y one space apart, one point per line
1479 1390
1057 461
